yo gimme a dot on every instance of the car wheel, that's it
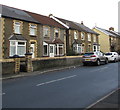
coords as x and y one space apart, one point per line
84 64
115 60
106 61
98 62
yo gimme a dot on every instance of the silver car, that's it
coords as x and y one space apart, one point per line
94 57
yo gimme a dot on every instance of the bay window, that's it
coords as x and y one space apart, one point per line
17 48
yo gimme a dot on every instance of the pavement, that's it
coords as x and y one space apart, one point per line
110 101
88 87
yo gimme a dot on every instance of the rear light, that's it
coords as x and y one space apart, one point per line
93 56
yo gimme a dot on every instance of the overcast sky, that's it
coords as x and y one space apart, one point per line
102 13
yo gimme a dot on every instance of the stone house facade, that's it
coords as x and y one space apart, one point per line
79 38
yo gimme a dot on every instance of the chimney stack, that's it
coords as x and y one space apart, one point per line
111 29
82 22
50 15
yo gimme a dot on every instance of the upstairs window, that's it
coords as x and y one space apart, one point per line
82 36
46 31
56 33
94 38
33 29
17 27
75 35
89 37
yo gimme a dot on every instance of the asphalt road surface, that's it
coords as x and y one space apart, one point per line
72 88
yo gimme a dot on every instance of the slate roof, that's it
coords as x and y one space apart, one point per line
115 33
45 20
15 13
77 26
55 41
105 31
17 37
76 41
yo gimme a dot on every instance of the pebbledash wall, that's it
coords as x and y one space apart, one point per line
8 67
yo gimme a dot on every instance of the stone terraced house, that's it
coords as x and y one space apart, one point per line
79 38
23 32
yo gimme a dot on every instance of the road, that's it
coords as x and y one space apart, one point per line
71 88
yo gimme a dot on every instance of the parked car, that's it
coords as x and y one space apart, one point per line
94 57
112 56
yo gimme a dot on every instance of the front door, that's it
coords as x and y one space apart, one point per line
32 50
51 50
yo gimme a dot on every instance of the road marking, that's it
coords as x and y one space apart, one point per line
100 69
2 93
56 80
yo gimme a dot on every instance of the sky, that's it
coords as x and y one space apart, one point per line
100 13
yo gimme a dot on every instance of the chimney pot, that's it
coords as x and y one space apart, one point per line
82 22
111 29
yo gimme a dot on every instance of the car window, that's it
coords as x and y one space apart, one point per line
88 54
108 54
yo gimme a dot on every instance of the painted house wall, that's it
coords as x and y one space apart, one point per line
8 31
103 41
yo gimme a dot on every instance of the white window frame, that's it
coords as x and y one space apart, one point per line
95 47
77 46
45 44
46 31
82 36
16 47
75 35
17 27
89 37
94 38
33 29
58 46
56 31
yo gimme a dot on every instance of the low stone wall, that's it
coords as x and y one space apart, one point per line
57 62
8 66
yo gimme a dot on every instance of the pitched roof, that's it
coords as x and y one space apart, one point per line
45 20
105 31
15 13
17 37
77 26
85 28
55 41
115 33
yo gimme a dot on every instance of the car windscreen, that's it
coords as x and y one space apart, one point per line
108 54
88 54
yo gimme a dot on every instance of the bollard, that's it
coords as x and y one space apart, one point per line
29 67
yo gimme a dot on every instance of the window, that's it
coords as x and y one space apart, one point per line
82 36
45 49
17 48
94 38
17 27
75 35
89 37
33 29
83 47
46 31
77 48
56 33
94 48
89 48
59 49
